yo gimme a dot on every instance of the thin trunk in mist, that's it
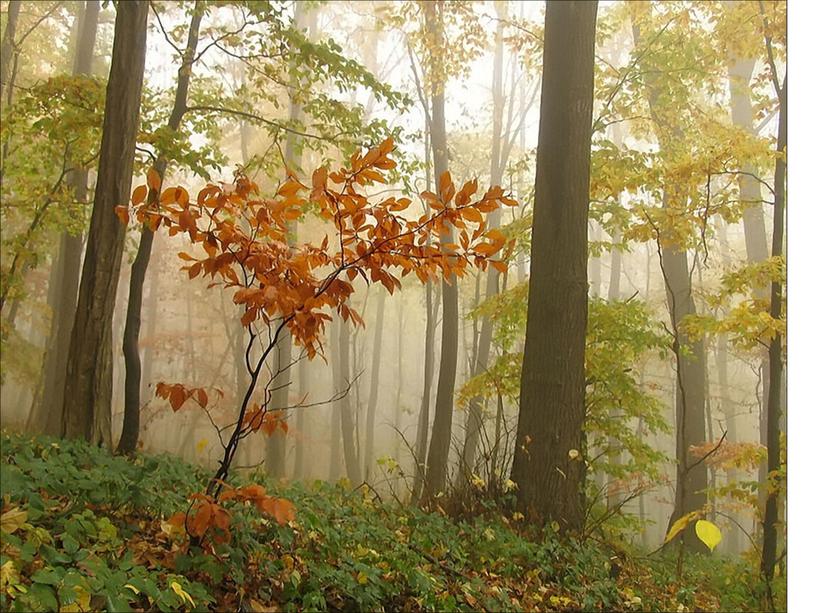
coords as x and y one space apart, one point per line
551 406
439 446
484 338
275 463
431 310
335 452
152 317
374 387
347 418
46 416
775 408
398 399
690 398
7 45
300 467
87 404
740 71
133 320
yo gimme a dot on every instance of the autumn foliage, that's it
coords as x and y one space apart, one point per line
244 240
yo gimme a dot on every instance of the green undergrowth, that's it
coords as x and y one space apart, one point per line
84 530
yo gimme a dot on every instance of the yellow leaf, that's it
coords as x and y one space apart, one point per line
708 533
362 578
11 520
680 525
8 575
202 445
181 593
129 586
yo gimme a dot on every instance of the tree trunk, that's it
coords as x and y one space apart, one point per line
347 419
740 71
690 397
87 406
431 309
769 527
546 468
7 45
443 415
153 284
65 270
276 443
373 390
133 320
484 339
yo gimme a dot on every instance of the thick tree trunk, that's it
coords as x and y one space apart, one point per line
133 320
547 465
87 405
775 408
374 387
47 415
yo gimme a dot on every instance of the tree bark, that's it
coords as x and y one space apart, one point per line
87 405
347 418
769 528
374 387
7 45
133 319
690 396
47 415
484 340
443 416
740 71
551 408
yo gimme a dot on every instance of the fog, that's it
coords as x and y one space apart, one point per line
314 114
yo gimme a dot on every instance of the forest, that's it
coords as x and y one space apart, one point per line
378 305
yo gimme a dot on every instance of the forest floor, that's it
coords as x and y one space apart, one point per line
85 530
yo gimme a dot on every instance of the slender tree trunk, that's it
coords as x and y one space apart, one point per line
47 414
7 45
300 468
373 391
276 443
690 397
335 447
153 284
740 71
547 464
347 418
431 307
769 527
484 339
398 399
133 320
87 405
443 416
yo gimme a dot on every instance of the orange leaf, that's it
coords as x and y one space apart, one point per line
153 179
177 397
139 195
446 188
